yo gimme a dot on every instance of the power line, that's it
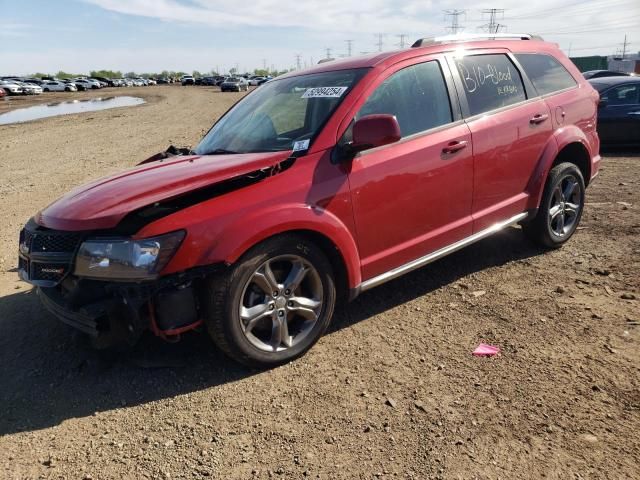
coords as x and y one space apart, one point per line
455 26
493 26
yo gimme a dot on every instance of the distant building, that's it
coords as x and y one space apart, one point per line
630 64
593 62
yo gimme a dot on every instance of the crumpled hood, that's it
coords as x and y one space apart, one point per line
105 202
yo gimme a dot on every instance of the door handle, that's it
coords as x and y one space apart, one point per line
539 118
455 146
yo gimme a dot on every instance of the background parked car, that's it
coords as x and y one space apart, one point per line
234 84
187 80
30 88
603 73
619 110
57 86
109 82
87 83
255 81
10 88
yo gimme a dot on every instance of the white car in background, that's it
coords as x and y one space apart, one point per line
255 81
30 88
86 83
56 86
10 88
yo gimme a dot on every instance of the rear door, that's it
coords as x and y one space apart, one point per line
619 115
413 196
509 127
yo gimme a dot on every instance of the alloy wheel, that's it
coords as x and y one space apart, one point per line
281 303
565 205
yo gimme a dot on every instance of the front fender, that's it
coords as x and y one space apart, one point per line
249 230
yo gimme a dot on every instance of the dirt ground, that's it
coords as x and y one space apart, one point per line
392 391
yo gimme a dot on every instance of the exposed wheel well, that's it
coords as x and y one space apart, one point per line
577 154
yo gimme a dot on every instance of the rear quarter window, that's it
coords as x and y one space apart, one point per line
545 72
490 82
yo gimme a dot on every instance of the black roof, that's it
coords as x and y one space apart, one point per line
606 82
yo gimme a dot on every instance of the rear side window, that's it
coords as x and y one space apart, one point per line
545 72
490 82
622 95
416 95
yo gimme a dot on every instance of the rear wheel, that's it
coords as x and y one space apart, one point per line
560 208
46 89
273 304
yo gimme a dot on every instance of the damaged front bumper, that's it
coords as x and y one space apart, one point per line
110 311
115 312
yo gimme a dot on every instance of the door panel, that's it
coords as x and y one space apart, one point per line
410 198
507 147
509 131
619 118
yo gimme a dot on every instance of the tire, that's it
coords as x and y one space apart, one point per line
256 340
560 208
67 89
46 89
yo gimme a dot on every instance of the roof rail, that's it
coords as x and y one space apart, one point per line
466 37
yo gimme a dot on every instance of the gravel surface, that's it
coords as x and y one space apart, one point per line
392 391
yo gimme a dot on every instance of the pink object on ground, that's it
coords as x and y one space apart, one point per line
484 350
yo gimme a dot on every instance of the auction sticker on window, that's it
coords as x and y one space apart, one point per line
301 145
324 92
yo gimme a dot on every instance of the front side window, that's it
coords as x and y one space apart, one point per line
282 115
545 72
416 95
622 95
490 82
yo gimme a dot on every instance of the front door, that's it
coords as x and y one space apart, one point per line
414 196
619 115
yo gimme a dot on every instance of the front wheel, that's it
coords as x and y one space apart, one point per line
273 304
560 208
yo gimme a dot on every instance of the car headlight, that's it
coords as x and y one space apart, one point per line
126 259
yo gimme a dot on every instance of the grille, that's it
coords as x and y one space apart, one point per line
48 254
59 242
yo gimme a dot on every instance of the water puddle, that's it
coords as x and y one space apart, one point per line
65 108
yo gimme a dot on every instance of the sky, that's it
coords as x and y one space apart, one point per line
204 35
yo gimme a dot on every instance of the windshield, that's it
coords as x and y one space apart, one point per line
281 115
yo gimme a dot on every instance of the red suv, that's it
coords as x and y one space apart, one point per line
322 183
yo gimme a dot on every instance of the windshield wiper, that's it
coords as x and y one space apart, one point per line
221 151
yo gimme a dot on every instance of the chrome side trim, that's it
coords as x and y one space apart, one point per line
433 256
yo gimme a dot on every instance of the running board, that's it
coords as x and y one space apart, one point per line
432 257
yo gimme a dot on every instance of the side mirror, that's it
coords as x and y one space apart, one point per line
375 131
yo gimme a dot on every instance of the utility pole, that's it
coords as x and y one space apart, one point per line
298 63
493 26
455 26
379 43
349 47
403 38
328 52
264 64
624 46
